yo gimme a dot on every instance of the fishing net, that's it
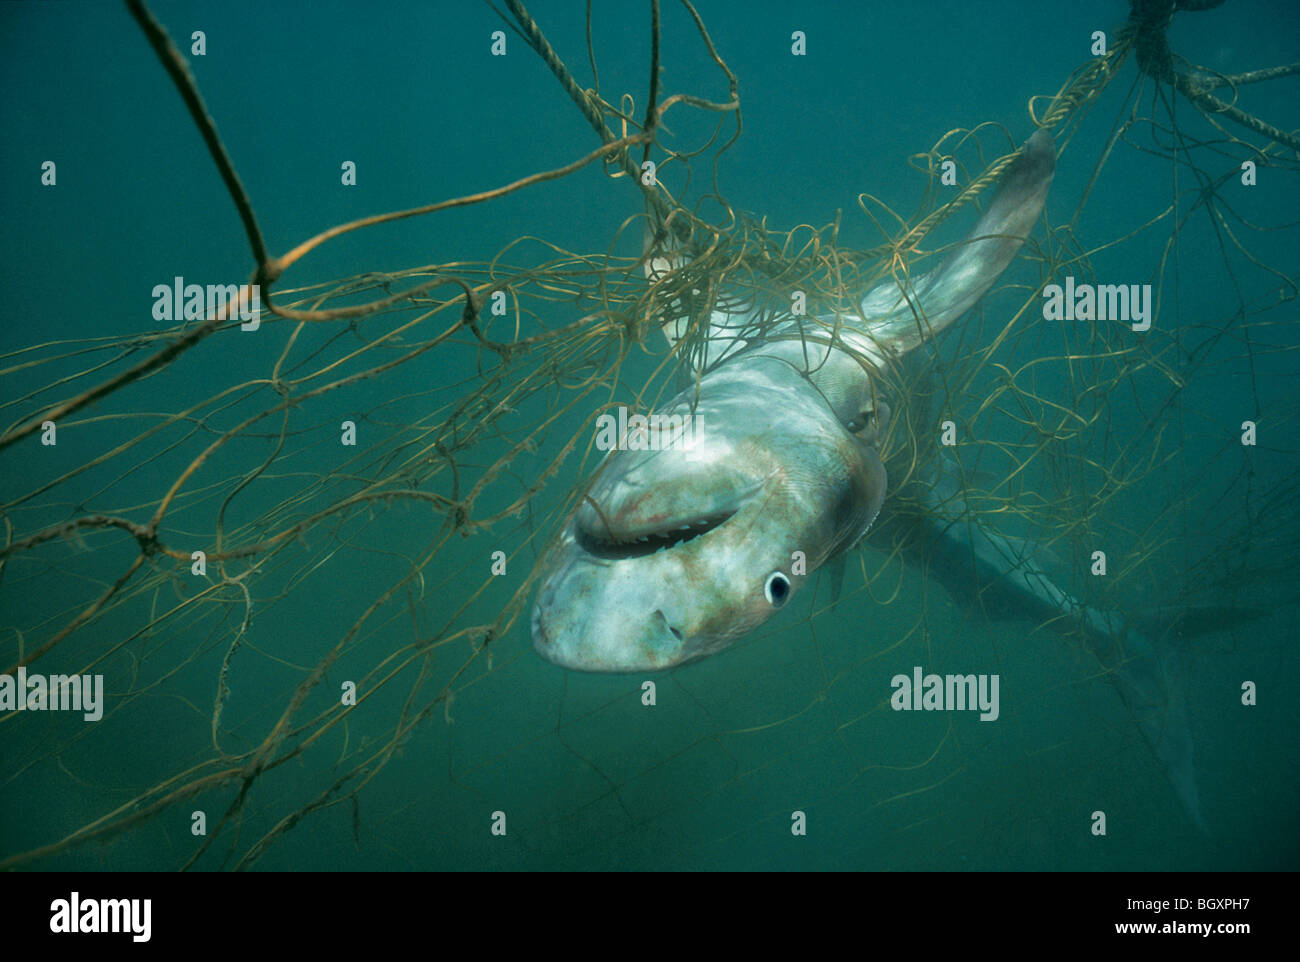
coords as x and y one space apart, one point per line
344 677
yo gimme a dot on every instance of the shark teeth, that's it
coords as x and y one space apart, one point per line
613 544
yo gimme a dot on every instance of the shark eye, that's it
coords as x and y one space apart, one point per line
777 589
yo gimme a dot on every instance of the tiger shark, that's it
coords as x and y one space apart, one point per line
678 552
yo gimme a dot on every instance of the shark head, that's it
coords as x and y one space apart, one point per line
674 554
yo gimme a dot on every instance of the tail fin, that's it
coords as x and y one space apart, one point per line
1005 577
1148 670
1150 679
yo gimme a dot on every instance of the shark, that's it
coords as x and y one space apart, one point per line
673 555
677 552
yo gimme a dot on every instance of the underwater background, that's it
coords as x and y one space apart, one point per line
794 718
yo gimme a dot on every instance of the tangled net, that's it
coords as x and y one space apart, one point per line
417 547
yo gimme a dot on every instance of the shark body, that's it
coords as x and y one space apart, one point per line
675 554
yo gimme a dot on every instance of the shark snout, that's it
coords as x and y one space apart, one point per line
672 556
604 637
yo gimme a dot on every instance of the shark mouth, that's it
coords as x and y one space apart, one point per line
609 542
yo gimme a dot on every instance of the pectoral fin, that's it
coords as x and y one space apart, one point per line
903 311
835 571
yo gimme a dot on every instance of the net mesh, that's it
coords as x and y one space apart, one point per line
394 554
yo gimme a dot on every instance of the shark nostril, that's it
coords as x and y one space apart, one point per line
664 618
